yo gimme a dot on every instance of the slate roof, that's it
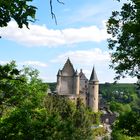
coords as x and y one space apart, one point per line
93 76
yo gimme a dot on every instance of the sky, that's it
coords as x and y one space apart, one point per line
80 34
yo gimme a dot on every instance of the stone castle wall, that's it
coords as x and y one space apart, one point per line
74 85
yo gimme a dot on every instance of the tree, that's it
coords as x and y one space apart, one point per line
21 100
17 86
75 121
124 27
128 124
27 112
21 11
55 118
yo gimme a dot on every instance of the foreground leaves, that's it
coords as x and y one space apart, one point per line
27 112
21 11
124 26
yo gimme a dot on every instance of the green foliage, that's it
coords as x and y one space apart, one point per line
27 112
121 98
135 105
122 93
21 98
117 135
52 86
75 121
96 117
19 10
58 118
124 26
99 131
18 85
119 107
128 124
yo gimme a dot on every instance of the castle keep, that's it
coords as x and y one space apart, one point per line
75 85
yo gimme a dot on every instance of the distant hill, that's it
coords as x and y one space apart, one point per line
118 97
106 87
120 92
118 86
52 86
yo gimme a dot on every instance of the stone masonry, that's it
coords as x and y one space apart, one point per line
75 85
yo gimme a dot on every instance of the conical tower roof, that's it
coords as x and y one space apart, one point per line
59 72
68 68
93 76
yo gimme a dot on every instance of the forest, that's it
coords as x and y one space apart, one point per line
122 99
28 112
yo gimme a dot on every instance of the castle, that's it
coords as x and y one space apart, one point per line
75 85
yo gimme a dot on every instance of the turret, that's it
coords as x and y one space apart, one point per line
77 83
58 87
93 91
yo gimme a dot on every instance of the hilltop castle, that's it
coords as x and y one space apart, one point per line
75 85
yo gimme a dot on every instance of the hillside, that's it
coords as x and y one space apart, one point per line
106 87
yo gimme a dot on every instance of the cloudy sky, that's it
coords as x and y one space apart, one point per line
80 34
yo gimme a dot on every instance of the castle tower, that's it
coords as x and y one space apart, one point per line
77 83
58 88
93 91
65 79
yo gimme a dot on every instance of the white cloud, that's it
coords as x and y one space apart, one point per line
85 57
28 63
39 35
34 63
3 62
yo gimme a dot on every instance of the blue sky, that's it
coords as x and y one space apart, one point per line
80 35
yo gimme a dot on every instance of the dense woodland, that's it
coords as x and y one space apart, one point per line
28 112
124 28
123 99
